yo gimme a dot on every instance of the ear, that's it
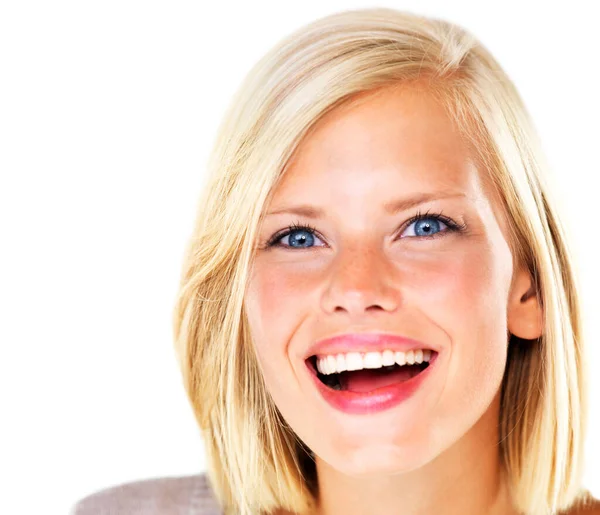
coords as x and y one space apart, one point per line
524 313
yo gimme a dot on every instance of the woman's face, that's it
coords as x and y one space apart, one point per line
366 268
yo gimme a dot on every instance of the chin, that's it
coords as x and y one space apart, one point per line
380 459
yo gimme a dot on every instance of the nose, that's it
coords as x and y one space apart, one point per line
360 279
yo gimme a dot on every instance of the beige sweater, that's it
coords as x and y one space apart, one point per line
185 495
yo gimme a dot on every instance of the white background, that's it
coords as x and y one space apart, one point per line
108 110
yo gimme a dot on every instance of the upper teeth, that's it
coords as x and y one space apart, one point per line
358 361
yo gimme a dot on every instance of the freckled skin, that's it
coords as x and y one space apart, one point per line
359 273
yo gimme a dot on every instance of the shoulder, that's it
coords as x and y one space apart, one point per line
184 495
586 505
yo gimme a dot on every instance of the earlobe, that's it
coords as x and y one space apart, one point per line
525 314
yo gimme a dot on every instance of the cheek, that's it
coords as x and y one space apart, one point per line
272 307
468 289
467 300
272 301
271 292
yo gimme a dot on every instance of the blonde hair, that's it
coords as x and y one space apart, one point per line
255 461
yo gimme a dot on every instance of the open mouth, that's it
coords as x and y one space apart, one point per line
368 379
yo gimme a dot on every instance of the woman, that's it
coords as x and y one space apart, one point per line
378 310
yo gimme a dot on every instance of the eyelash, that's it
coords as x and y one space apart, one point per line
452 226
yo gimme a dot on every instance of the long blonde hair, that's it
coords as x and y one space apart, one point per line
255 461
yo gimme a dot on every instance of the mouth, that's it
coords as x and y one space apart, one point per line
367 377
369 382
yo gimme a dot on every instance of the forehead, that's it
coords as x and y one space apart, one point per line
400 134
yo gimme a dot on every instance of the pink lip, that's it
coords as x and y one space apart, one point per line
376 400
365 342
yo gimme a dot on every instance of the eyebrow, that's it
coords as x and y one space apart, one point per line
391 208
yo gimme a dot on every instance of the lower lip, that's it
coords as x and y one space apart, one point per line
376 400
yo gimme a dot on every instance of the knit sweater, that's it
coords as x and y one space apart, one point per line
185 495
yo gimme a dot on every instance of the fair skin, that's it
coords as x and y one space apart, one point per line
363 269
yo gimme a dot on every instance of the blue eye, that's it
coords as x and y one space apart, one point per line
426 226
299 236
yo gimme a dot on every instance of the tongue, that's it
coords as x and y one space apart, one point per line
369 379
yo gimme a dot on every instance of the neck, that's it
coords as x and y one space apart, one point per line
465 479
